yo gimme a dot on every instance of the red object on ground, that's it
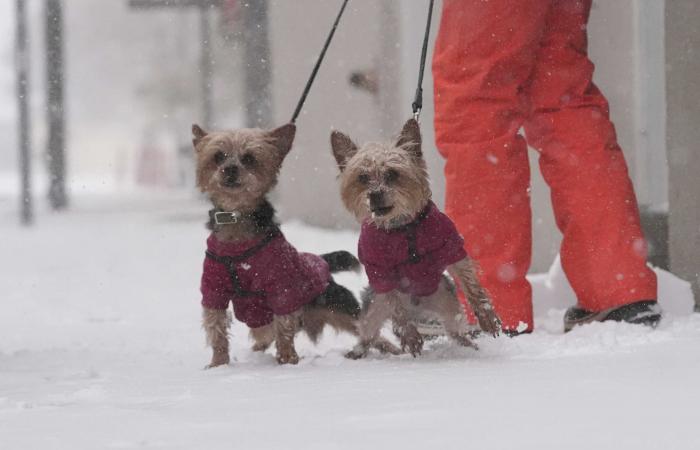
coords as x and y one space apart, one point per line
500 65
286 279
386 254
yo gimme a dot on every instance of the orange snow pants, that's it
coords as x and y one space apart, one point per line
500 65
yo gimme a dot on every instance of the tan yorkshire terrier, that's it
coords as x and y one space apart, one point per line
406 244
274 289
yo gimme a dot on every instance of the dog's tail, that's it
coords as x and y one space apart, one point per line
337 307
341 261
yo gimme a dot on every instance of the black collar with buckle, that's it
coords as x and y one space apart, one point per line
220 217
262 218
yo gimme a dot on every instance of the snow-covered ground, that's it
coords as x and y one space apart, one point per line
101 347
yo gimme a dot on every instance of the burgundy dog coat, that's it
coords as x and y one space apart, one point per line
262 277
411 258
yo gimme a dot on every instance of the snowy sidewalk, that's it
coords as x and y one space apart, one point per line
101 347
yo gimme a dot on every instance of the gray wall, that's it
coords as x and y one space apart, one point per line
683 85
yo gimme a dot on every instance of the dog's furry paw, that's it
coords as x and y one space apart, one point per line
288 357
464 340
488 320
359 352
218 359
412 341
260 346
385 347
352 354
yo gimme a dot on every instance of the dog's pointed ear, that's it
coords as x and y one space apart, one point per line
283 137
197 134
343 148
410 138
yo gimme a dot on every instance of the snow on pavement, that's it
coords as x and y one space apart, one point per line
101 348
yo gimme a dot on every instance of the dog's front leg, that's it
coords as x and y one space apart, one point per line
464 274
445 304
380 309
411 339
216 323
286 327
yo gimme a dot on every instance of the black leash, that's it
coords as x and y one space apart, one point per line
418 101
318 64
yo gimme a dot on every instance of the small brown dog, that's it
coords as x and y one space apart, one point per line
274 289
406 244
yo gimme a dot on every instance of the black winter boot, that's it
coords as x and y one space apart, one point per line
646 312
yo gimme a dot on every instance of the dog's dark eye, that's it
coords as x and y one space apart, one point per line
248 160
363 179
391 176
219 157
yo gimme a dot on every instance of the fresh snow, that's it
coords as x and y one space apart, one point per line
101 348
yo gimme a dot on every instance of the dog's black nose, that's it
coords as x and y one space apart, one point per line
378 203
230 175
376 198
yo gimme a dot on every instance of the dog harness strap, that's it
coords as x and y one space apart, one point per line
413 256
410 229
230 263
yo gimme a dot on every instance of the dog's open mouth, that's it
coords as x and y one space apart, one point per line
382 210
231 184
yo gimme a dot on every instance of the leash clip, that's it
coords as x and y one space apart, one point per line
416 115
226 217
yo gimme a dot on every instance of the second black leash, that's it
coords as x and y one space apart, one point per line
318 64
418 100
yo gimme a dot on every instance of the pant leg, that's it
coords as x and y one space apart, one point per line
484 55
603 251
